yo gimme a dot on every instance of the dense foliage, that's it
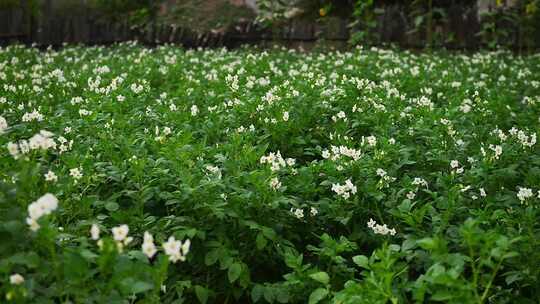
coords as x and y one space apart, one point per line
414 23
372 176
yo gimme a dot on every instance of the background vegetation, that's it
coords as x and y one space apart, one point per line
427 23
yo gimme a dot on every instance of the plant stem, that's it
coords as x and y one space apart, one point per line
484 295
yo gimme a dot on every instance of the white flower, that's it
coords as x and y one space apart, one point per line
345 190
13 149
120 233
418 181
94 232
75 173
497 149
136 88
194 110
380 229
42 140
276 161
524 193
454 164
3 124
313 211
176 250
325 154
32 222
372 140
83 112
275 183
34 115
380 172
299 213
285 116
482 192
16 279
43 206
51 177
214 171
172 249
185 247
148 246
290 162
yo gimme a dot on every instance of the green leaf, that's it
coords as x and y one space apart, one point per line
292 260
201 293
211 257
282 295
88 255
317 295
111 206
261 241
362 261
442 295
320 277
140 286
234 272
257 292
269 295
269 233
426 243
418 20
30 259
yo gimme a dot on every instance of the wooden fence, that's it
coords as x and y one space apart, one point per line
55 24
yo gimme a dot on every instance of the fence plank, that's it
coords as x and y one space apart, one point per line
56 24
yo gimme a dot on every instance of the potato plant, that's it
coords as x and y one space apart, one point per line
166 175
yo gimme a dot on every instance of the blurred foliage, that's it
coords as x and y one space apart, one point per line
7 4
205 15
364 22
139 13
31 5
506 23
516 25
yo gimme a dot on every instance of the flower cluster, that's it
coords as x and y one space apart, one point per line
275 184
525 193
380 229
176 250
43 206
299 212
120 235
213 171
42 140
454 165
384 175
344 190
338 152
276 161
34 115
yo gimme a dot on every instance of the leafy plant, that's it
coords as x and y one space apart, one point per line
361 176
364 25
